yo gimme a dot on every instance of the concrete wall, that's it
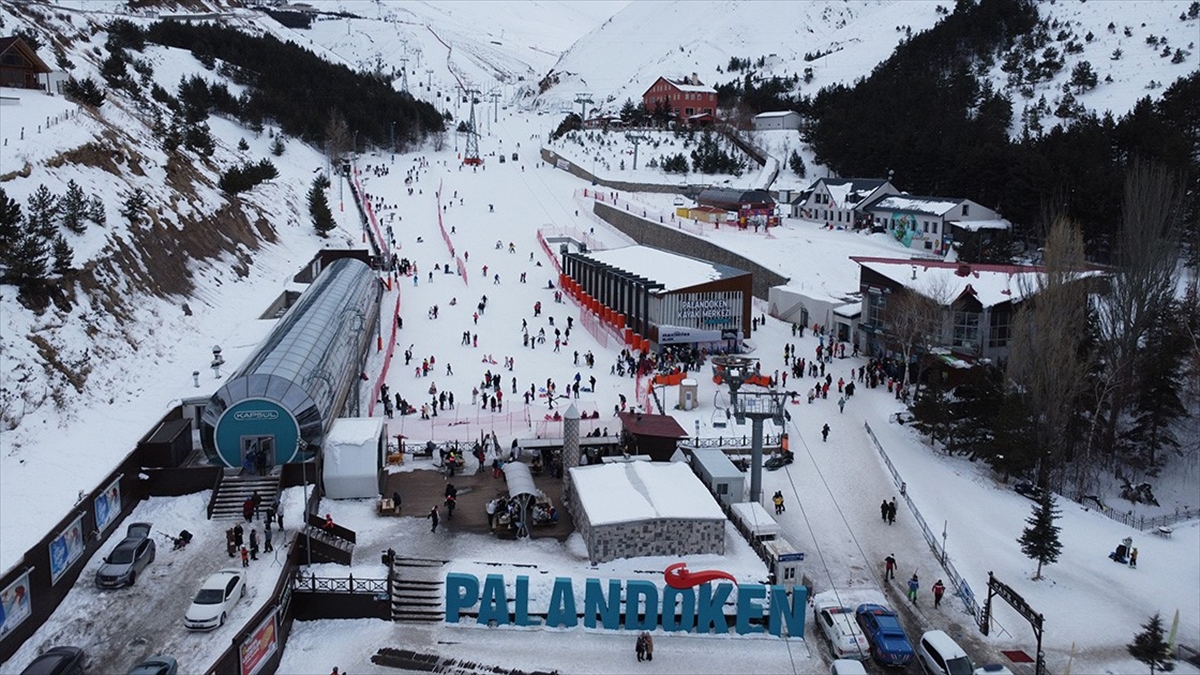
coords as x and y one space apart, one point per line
650 233
552 158
666 537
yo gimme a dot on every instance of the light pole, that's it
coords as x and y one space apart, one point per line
217 361
944 524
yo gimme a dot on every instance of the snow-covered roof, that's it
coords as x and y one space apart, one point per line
850 191
716 462
987 224
635 491
671 270
775 113
684 85
519 479
354 431
755 517
935 206
850 310
945 282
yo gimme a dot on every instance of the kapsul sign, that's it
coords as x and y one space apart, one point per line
686 602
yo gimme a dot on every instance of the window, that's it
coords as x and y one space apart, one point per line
876 303
966 330
935 227
722 488
1001 329
966 210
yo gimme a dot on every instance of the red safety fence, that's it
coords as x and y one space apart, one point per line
387 360
382 244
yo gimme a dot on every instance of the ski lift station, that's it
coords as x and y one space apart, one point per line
283 399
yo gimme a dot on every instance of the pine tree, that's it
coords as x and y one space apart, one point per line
27 267
95 210
134 208
1040 540
10 225
796 164
63 255
277 146
42 211
1150 647
74 206
318 207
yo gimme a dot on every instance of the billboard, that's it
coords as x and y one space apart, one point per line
15 605
108 505
256 649
65 549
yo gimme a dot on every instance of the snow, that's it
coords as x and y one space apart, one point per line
626 492
669 269
141 365
931 205
976 225
939 280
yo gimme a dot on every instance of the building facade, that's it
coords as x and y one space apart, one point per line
837 202
20 65
928 223
777 120
686 99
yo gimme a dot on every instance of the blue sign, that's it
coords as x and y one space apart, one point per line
257 418
699 610
791 557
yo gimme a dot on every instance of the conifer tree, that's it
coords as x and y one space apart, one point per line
27 266
42 211
1040 540
1150 647
796 164
134 207
10 224
318 207
74 207
63 255
95 210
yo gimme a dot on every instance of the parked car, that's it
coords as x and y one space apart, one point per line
993 669
216 597
156 665
845 637
941 655
1029 490
779 461
57 661
889 644
123 565
847 667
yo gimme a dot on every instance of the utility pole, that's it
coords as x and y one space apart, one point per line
429 79
495 95
471 152
403 73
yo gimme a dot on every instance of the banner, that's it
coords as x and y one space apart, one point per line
65 549
668 335
108 506
259 647
15 605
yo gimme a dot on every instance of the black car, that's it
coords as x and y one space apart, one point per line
779 461
1029 490
57 661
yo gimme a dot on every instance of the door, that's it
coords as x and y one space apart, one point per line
263 448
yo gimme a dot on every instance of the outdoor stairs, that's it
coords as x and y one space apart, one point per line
326 546
417 590
235 488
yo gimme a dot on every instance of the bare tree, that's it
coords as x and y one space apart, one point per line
1046 363
1147 256
915 320
337 137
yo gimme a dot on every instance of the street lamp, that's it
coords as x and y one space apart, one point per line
217 361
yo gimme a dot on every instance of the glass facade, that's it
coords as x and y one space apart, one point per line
298 379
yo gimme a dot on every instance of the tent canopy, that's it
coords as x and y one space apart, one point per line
520 480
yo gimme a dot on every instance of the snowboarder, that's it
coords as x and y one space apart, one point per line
889 567
825 433
913 587
435 518
939 589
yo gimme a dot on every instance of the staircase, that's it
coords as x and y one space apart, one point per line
327 547
417 590
234 488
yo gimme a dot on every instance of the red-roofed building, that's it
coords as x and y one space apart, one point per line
686 99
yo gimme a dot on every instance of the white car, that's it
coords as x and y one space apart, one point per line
844 634
216 598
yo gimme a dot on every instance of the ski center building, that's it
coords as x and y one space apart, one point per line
630 509
282 401
665 297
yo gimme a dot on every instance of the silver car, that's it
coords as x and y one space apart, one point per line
123 565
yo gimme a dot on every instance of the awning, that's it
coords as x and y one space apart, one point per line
520 480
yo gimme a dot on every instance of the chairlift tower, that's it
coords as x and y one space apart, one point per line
636 139
403 73
756 405
471 153
495 96
583 99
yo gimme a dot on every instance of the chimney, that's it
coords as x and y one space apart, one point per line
914 269
963 270
695 79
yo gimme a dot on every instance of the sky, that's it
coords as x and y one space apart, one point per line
833 487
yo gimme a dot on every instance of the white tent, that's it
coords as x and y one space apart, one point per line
354 454
522 491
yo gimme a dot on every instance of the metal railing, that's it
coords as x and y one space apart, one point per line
348 584
1142 523
962 589
734 444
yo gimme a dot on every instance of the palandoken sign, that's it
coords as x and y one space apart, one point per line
688 602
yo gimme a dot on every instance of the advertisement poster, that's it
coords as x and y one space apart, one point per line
65 549
259 646
14 604
108 506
